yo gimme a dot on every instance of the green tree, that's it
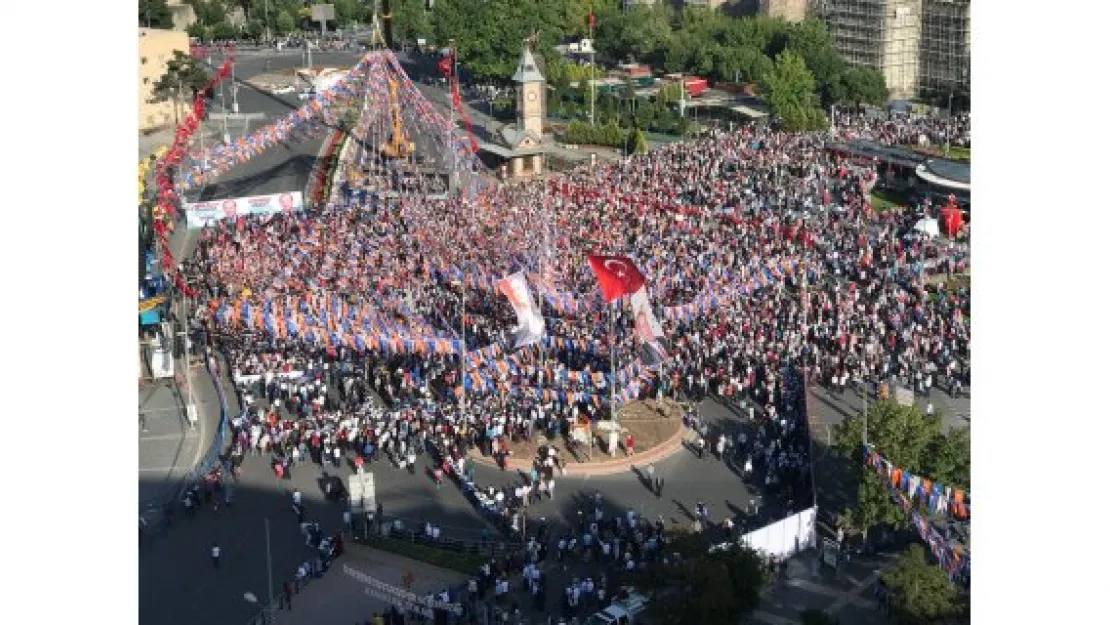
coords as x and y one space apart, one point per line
255 28
410 21
348 12
864 85
909 439
284 24
200 31
155 14
709 589
817 617
789 88
209 13
224 31
185 76
639 144
920 593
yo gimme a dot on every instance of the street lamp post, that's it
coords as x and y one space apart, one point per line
234 89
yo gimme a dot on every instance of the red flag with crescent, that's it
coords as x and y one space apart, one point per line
616 275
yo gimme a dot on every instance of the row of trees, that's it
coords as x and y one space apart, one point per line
919 591
811 75
282 17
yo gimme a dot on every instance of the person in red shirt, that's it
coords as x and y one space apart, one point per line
629 445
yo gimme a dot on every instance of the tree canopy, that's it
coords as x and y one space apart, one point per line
919 592
910 439
488 35
184 76
707 589
155 14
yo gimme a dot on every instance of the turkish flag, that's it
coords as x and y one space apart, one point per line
592 21
616 275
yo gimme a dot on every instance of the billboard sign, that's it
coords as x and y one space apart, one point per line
323 12
202 214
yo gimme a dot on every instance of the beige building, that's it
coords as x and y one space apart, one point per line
519 149
156 48
880 34
945 48
183 14
789 10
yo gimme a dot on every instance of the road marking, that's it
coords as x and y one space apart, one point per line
167 437
819 589
853 595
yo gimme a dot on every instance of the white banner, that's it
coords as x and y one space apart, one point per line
652 350
786 537
403 599
203 214
530 324
281 375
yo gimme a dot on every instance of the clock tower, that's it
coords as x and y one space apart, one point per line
531 99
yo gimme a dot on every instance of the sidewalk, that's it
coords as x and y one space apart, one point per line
844 594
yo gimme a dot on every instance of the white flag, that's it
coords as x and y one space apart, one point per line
530 325
653 350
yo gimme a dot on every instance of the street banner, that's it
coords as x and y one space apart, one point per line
203 214
530 325
405 600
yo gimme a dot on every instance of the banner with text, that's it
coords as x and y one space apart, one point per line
202 214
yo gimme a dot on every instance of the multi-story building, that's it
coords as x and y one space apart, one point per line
880 34
945 65
789 10
156 48
922 47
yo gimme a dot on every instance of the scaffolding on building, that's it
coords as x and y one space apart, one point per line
945 68
880 34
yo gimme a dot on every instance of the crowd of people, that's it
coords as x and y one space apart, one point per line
759 247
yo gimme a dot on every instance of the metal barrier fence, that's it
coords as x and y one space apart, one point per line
153 510
490 547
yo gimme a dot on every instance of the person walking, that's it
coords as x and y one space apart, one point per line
287 595
215 556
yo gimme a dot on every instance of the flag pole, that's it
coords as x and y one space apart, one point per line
613 363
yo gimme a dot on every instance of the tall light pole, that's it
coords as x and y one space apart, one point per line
593 67
234 90
462 356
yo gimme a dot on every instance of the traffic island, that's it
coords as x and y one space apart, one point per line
655 427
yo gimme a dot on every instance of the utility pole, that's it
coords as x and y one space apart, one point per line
593 67
462 360
234 90
223 107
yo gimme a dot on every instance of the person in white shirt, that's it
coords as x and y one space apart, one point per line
215 556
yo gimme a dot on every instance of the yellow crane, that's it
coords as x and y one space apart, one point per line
398 145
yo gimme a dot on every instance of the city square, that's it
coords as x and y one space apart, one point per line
405 358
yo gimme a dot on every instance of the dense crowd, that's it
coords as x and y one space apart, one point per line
849 299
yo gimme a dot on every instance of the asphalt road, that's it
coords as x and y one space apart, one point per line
178 585
282 168
828 409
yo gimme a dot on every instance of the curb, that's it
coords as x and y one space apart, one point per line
608 467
